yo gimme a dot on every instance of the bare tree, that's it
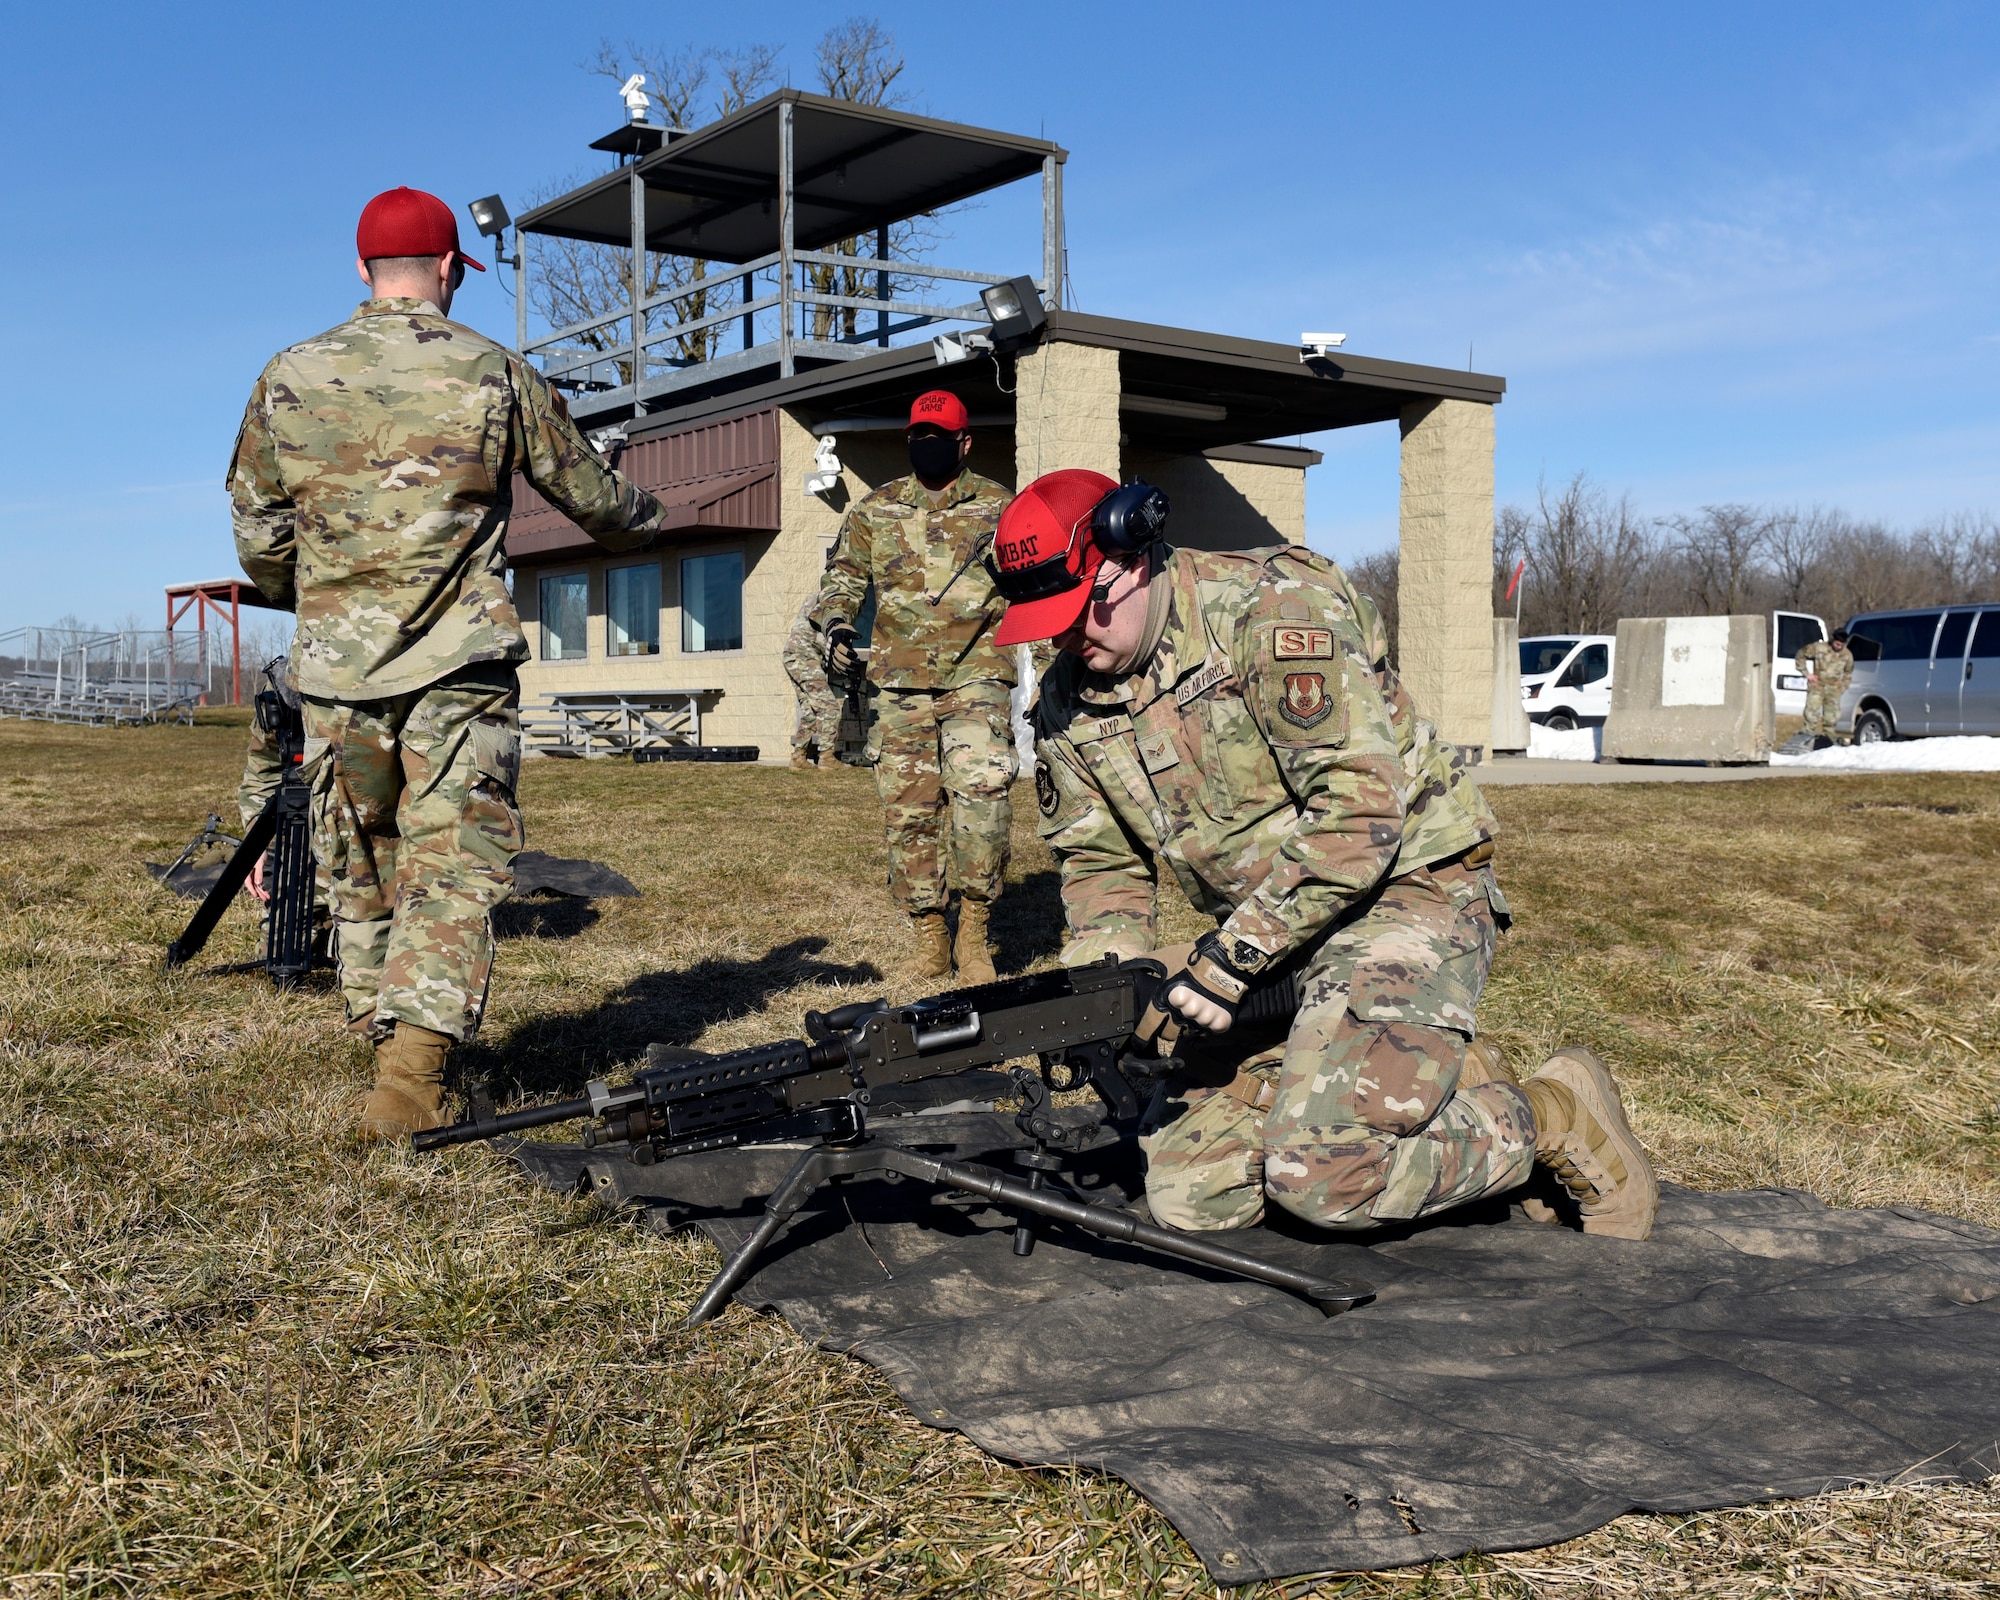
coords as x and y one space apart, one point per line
858 60
1378 577
579 282
1587 556
1722 549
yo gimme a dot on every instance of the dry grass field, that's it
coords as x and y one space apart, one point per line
240 1355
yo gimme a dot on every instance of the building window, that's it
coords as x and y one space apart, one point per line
712 602
632 609
565 616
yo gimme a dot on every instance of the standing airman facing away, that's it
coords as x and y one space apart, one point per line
1829 667
941 741
817 728
370 484
1233 718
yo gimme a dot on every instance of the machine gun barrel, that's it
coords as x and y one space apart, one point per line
490 1127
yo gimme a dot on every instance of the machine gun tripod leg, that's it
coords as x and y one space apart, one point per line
816 1166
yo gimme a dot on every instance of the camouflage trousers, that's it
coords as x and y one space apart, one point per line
415 826
1823 712
944 766
1356 1117
818 722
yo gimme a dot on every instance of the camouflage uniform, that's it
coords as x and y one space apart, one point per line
818 723
1833 665
1266 753
371 485
940 741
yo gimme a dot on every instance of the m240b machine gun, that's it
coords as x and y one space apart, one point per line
1091 1026
284 829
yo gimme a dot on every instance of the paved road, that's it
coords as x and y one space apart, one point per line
1526 769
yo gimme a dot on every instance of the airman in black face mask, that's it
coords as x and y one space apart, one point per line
941 741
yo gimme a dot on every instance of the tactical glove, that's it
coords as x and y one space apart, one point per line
1207 991
841 661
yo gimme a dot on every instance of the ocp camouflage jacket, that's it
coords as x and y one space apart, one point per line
371 484
1832 664
935 606
1265 751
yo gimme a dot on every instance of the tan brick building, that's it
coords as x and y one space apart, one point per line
729 441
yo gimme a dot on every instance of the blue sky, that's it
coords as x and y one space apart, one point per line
1719 252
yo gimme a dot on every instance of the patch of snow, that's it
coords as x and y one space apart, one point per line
1969 753
1576 744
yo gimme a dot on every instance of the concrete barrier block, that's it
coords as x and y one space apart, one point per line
1510 717
1692 689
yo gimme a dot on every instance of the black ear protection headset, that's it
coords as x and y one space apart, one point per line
1129 518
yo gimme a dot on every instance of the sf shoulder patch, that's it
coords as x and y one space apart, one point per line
1306 703
1302 644
1045 789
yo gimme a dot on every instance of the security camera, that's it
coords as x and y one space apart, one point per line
950 348
1314 346
633 92
826 467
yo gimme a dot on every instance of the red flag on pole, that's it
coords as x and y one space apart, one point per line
1514 582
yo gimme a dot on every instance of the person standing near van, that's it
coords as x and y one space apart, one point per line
1829 667
370 486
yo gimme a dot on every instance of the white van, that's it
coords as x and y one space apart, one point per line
1566 679
1791 632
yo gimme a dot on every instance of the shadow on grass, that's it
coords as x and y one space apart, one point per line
1027 922
558 1054
543 917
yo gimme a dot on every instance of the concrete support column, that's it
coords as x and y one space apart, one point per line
1444 645
1065 410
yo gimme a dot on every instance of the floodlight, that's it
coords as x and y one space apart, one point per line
1314 346
1015 308
490 216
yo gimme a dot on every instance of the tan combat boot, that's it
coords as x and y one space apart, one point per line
932 944
409 1084
1581 1136
1485 1062
801 762
971 954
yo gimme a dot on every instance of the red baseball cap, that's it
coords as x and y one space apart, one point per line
408 222
1044 556
939 408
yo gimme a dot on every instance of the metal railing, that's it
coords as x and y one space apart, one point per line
134 675
604 370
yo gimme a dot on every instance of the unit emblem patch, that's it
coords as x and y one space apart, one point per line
1303 644
1306 703
1045 789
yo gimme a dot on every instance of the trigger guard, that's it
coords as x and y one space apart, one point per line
1063 1076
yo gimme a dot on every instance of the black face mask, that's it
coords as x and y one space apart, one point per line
935 457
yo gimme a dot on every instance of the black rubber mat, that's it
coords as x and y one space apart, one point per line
1510 1386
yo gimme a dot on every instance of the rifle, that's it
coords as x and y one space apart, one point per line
284 828
1089 1025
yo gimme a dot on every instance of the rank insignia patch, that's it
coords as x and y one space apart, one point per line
1045 789
1306 703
